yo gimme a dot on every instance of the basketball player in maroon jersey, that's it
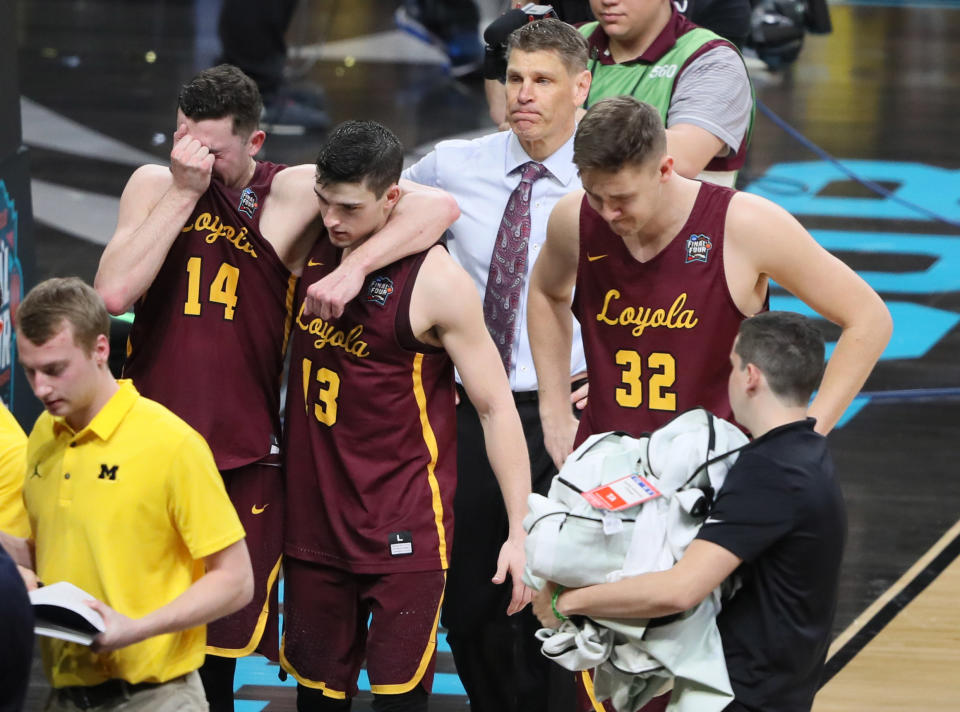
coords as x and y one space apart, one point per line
369 447
209 250
665 269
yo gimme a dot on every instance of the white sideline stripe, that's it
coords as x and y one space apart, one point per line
390 46
43 128
89 216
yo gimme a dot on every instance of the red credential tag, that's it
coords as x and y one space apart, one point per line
620 494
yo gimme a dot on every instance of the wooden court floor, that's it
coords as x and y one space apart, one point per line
881 94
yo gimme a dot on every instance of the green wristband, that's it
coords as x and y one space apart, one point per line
553 602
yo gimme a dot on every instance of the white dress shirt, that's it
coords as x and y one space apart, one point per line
478 174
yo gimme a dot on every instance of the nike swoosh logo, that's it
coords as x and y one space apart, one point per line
594 258
711 520
258 510
311 263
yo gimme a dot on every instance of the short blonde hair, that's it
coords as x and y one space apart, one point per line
618 131
42 312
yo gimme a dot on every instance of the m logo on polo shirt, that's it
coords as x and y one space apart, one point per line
108 473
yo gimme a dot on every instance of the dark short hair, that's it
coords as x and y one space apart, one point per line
551 35
616 132
361 152
223 91
788 348
42 313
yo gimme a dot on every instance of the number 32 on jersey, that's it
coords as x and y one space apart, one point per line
660 374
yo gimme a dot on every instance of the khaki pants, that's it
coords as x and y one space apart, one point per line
183 695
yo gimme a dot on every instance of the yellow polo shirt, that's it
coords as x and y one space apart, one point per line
13 468
126 509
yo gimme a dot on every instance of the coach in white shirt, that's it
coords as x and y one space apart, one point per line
506 184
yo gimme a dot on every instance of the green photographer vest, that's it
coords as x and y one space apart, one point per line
654 82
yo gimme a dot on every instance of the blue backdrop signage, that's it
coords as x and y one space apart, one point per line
11 293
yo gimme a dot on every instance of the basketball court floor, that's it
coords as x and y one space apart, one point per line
878 99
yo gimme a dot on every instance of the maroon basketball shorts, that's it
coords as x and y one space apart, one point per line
334 619
587 701
256 491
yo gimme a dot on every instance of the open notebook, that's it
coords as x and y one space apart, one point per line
59 612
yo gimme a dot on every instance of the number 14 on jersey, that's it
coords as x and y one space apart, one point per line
223 288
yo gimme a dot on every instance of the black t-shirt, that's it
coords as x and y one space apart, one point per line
781 511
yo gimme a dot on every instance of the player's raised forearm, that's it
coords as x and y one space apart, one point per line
857 351
133 257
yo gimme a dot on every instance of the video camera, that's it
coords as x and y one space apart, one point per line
497 32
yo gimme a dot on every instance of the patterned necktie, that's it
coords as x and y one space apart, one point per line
508 265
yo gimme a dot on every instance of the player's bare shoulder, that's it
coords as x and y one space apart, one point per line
442 293
760 226
565 217
144 189
148 183
570 203
440 273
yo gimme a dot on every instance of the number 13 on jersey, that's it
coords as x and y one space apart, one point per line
661 373
325 407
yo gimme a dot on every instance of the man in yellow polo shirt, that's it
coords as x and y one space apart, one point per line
13 466
124 501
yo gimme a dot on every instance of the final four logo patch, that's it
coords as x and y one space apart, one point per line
380 288
698 248
248 202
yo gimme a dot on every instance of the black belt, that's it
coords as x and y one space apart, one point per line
107 692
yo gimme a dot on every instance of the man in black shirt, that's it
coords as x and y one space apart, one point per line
779 522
